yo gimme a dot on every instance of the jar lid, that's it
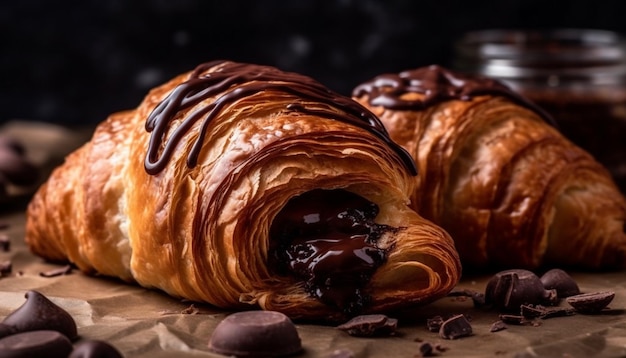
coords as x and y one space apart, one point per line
515 53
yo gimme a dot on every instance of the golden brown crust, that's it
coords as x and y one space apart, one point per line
507 186
203 232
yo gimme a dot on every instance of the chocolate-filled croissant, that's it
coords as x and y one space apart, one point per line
497 174
244 186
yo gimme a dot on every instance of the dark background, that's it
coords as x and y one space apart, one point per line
74 62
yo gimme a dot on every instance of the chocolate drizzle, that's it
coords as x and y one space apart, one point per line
437 84
234 81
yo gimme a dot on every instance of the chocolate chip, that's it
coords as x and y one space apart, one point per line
508 290
434 324
35 344
39 313
256 333
561 281
370 325
591 303
426 349
65 270
497 326
95 349
456 327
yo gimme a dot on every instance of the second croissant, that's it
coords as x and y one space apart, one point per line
497 175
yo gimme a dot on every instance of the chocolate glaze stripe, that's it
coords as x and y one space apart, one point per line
438 85
238 80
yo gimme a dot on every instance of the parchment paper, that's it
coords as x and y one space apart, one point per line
148 323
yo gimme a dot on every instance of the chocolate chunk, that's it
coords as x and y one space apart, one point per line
256 333
35 344
434 324
591 303
560 281
508 290
456 327
538 311
65 270
95 349
514 319
497 326
39 313
370 326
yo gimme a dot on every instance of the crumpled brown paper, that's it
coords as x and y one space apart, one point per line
147 323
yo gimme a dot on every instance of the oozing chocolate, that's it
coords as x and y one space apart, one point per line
328 238
437 84
234 81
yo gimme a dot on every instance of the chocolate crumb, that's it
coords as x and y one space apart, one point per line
514 319
426 349
456 327
65 270
370 325
498 326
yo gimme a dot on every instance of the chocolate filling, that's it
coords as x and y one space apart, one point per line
328 239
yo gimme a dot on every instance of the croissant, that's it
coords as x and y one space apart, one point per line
245 186
496 173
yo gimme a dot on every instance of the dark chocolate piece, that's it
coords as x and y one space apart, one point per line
235 81
590 303
328 239
256 333
370 326
35 344
39 313
538 311
514 319
497 326
508 290
426 349
434 324
560 281
455 327
65 270
95 349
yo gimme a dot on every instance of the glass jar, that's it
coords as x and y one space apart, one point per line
576 75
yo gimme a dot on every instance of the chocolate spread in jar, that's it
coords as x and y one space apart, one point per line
328 239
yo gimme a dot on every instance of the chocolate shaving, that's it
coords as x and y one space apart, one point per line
65 270
497 326
370 326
